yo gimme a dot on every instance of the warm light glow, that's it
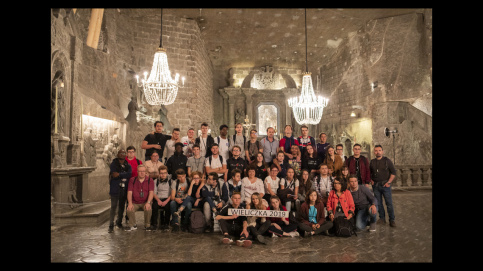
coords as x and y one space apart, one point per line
159 88
308 108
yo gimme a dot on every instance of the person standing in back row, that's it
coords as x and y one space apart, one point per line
155 141
269 146
359 165
383 173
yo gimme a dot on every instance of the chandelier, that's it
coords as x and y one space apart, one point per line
160 88
307 108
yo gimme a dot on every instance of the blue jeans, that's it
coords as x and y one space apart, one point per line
173 206
363 216
379 192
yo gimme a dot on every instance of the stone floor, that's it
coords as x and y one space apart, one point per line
410 241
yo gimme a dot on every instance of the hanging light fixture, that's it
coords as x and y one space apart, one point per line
307 108
160 88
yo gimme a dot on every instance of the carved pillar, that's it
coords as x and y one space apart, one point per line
424 176
248 99
395 182
225 105
60 150
288 93
233 94
415 176
404 176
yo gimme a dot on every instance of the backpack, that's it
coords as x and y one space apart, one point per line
343 227
197 222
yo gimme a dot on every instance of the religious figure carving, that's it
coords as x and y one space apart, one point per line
267 117
131 117
58 102
163 116
239 115
89 147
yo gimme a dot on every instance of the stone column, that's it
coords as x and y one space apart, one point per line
288 93
248 100
415 176
233 94
424 176
225 105
404 176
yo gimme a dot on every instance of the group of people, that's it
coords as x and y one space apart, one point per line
314 182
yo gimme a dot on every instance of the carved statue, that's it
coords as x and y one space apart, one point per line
163 116
89 148
240 116
131 117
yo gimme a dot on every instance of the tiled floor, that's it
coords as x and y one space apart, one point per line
410 241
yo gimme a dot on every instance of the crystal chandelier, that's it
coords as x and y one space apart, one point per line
307 108
160 88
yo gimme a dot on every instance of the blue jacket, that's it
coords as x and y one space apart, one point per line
124 171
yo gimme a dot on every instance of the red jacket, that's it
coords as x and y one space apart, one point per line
346 202
364 168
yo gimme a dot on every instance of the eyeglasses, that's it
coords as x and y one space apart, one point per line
130 151
337 183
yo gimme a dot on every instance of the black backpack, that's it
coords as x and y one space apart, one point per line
197 222
343 227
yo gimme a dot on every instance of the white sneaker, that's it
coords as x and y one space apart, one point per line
274 235
372 227
294 233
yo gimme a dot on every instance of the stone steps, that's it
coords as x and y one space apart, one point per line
88 214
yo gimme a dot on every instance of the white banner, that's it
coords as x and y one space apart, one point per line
256 212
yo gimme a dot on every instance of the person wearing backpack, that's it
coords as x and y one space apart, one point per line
340 202
223 142
383 173
216 163
161 199
191 201
179 191
238 139
140 197
212 202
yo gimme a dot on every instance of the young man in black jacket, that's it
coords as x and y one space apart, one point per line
119 174
205 141
177 160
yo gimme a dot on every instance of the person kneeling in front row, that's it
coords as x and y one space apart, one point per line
233 226
312 215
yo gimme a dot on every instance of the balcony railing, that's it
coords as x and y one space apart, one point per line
413 176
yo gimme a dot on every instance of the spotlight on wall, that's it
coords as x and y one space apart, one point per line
374 85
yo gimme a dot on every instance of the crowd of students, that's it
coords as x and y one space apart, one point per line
314 182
